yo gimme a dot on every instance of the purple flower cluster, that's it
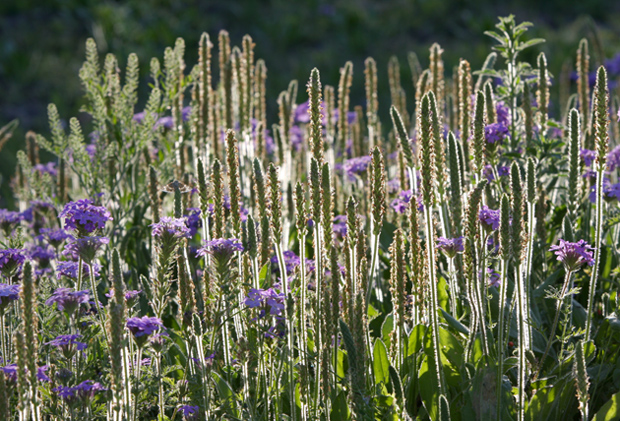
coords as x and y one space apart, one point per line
11 261
68 300
10 371
130 296
68 344
587 156
141 327
503 113
291 261
502 171
190 413
9 219
8 293
171 227
49 168
489 218
80 394
84 216
220 247
450 246
613 159
493 277
54 237
495 133
266 298
85 247
401 203
193 221
70 269
339 225
356 166
573 255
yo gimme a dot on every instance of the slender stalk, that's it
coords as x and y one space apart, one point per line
567 281
93 285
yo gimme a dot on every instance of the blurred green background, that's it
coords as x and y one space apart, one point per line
42 42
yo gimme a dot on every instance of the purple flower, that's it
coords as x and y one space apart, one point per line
393 185
11 261
269 297
495 133
84 216
68 344
167 226
489 218
8 220
220 248
401 203
613 159
356 166
339 224
291 261
190 412
70 269
450 246
8 293
503 113
81 394
10 371
254 298
54 237
142 327
42 255
130 296
193 221
494 278
85 247
588 156
68 300
573 255
49 168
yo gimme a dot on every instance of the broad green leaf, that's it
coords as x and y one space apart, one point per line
381 363
429 389
262 275
416 339
340 409
386 328
397 385
610 411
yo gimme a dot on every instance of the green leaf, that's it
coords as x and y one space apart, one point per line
262 275
396 383
416 339
452 322
429 389
386 328
340 409
610 411
381 363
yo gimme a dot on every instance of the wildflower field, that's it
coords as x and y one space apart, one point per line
194 260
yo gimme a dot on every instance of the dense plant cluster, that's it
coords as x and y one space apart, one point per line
191 261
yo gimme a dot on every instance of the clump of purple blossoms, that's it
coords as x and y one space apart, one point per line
190 413
48 168
489 218
266 298
170 227
80 394
611 192
493 277
220 247
450 246
54 237
84 216
9 220
573 255
68 300
130 296
291 261
193 221
8 293
70 269
339 225
502 171
142 327
503 113
11 261
68 344
613 159
495 133
401 203
85 247
10 371
587 156
356 166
